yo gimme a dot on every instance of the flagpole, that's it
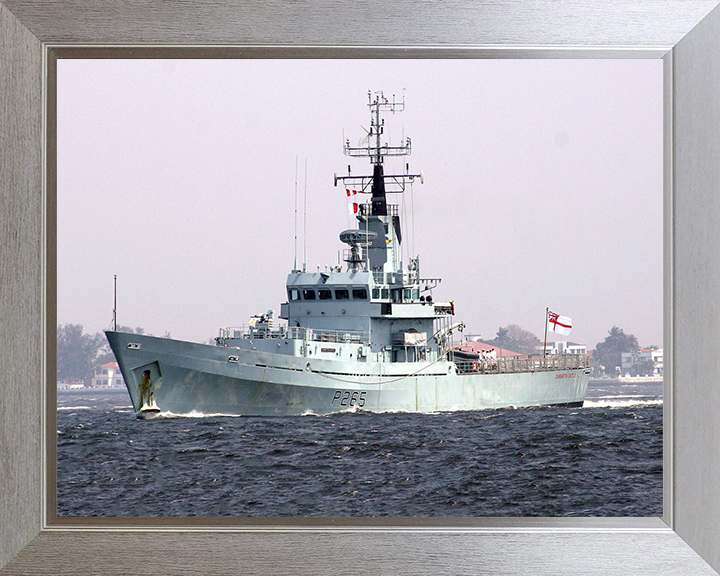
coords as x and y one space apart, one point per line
547 311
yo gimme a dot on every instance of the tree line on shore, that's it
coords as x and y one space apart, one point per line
79 355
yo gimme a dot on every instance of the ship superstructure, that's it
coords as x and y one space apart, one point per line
375 309
367 335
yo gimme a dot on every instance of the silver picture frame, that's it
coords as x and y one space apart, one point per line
684 33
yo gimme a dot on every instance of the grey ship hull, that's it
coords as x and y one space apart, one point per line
189 378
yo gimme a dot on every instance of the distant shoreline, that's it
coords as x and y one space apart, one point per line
627 380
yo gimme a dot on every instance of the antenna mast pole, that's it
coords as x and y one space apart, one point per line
305 221
115 303
296 167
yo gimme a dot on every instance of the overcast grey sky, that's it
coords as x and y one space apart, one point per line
543 187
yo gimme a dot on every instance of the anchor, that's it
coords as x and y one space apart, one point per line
148 407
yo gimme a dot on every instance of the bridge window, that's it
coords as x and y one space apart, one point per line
342 294
324 294
359 294
294 294
380 293
308 294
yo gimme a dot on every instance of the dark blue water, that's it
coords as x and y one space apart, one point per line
601 460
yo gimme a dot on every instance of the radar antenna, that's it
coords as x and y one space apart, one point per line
356 239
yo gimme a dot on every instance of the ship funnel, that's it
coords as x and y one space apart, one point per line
379 201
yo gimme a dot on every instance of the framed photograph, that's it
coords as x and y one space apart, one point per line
505 189
684 540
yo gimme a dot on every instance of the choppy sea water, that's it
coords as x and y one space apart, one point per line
604 459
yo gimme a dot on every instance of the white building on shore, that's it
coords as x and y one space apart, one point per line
563 348
107 375
629 359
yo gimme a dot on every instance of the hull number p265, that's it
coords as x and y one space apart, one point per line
348 398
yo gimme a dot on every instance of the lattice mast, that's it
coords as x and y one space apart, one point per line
384 251
379 183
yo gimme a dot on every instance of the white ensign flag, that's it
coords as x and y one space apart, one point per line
559 324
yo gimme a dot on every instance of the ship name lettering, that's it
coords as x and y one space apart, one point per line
348 398
571 375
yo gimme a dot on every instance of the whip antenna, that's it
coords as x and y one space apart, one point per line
115 303
305 221
296 168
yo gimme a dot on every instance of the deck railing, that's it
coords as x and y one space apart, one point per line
294 333
512 364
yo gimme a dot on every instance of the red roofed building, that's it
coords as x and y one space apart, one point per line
108 375
469 346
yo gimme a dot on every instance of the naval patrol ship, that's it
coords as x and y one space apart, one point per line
364 336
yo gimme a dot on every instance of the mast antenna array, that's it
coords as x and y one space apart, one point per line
376 150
